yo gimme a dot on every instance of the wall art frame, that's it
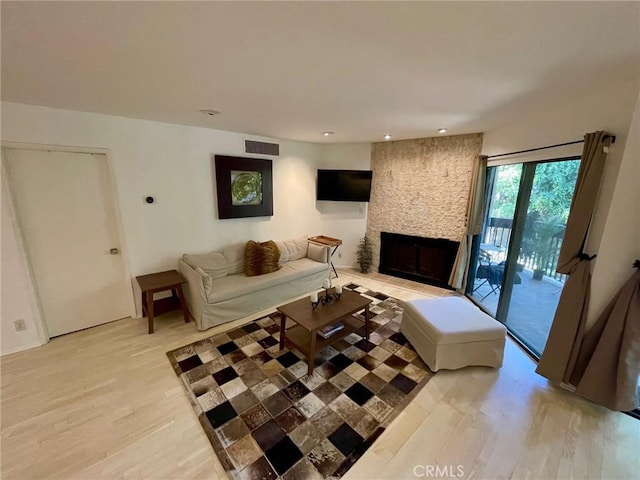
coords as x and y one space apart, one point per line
244 187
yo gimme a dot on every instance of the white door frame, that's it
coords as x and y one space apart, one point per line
113 197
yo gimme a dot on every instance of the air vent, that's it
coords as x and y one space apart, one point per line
261 148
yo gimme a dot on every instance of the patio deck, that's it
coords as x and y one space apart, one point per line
533 305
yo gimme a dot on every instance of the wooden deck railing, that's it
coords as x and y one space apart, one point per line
544 255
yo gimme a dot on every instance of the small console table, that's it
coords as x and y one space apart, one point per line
329 242
160 282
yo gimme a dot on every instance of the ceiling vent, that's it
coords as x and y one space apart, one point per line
261 148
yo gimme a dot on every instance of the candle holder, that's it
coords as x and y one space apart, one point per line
315 301
328 297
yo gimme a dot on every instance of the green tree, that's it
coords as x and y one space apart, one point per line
505 191
552 190
551 193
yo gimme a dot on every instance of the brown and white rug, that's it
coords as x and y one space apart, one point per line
267 419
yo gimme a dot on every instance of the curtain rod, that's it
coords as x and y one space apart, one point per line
606 137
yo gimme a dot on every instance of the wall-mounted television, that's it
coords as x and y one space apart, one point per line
344 185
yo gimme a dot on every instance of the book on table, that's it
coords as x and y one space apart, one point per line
330 329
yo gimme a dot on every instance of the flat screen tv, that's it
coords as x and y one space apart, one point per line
344 185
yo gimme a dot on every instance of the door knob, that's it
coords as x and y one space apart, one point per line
114 251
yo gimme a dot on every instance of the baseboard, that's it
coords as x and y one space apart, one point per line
21 348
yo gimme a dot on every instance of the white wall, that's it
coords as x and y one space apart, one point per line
18 300
345 220
620 244
175 164
609 109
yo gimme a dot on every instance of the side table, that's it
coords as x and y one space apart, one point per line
160 282
328 242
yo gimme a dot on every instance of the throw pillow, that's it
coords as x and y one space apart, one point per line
319 253
261 258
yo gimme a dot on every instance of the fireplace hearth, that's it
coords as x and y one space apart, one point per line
425 260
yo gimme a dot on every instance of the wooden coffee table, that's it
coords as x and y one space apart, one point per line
304 336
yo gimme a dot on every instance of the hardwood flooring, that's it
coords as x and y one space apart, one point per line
105 403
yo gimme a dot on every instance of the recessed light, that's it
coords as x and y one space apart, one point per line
442 130
207 111
326 134
387 137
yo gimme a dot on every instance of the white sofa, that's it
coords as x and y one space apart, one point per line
218 290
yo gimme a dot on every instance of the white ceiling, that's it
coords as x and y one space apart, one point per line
295 69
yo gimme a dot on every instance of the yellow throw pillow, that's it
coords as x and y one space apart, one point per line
261 258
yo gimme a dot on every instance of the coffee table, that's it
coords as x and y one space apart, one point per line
304 337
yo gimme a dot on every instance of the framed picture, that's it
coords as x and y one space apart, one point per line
245 187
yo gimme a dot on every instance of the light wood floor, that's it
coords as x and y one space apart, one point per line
105 403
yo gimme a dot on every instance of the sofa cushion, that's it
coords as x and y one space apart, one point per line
235 258
284 252
233 286
261 258
319 253
297 248
305 266
213 263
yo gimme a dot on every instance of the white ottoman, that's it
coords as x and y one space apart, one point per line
451 332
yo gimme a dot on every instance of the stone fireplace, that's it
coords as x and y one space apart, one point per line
420 189
425 260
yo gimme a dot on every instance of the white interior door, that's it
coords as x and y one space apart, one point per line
66 213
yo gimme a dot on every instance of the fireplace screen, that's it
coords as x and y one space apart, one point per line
426 260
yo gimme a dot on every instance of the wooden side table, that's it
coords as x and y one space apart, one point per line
328 242
161 282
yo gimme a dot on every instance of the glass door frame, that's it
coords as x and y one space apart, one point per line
525 188
515 241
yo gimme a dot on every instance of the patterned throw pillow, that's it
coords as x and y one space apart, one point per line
261 258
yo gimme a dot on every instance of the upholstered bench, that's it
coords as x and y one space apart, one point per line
451 333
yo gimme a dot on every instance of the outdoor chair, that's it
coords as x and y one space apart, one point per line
491 274
487 273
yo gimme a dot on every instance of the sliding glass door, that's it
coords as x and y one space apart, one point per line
513 273
490 249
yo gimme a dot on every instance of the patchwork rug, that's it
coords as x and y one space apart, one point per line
267 419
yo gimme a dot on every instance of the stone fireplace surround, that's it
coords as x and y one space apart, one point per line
420 188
